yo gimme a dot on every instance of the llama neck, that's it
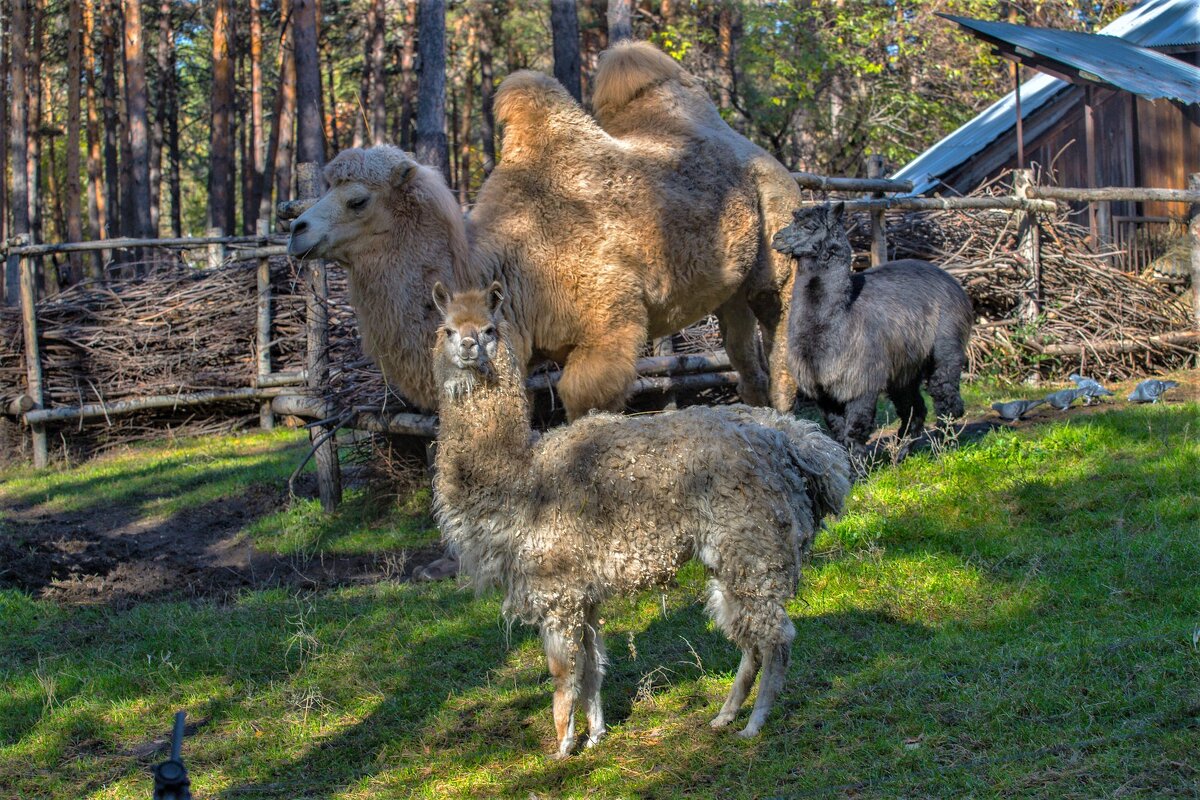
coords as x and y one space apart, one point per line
821 296
484 429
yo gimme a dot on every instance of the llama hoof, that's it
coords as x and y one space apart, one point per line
564 749
593 740
749 732
444 567
721 720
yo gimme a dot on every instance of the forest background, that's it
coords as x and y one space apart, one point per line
179 117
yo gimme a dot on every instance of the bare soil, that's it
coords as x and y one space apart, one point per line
111 555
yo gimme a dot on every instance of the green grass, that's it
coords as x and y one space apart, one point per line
1020 616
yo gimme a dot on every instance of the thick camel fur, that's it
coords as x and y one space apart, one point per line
887 329
599 242
643 95
612 504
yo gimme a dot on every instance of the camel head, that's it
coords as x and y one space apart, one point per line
372 193
816 235
470 337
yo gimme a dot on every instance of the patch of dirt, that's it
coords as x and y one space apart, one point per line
110 555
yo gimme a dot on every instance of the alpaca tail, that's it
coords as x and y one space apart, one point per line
823 463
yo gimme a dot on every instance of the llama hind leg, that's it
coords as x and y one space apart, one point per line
593 676
729 614
743 682
739 329
948 362
776 657
910 407
566 663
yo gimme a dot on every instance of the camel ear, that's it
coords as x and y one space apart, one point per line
402 174
495 296
441 298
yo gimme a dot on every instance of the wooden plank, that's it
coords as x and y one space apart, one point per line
949 204
1135 194
809 180
878 222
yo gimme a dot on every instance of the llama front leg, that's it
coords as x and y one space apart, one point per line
566 662
593 676
739 329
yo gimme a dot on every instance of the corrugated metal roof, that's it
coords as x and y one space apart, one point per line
1156 23
1096 57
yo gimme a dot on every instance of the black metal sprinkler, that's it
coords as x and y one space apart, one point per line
170 777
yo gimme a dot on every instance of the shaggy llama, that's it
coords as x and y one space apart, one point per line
612 504
854 335
598 241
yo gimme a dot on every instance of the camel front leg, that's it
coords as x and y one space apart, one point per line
566 662
600 370
739 329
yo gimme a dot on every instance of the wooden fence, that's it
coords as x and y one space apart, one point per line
304 393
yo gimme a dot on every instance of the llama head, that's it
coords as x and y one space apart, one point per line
816 235
469 341
370 191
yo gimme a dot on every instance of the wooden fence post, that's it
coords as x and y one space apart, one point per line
1029 245
266 420
329 478
33 357
665 346
216 250
1194 227
878 225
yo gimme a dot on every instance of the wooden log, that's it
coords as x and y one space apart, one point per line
282 379
21 248
372 420
950 204
1194 229
290 209
684 383
1176 339
266 251
18 405
266 420
665 348
1133 194
652 365
329 479
1029 246
878 224
809 180
39 416
33 359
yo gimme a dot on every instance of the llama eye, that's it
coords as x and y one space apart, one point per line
489 330
358 203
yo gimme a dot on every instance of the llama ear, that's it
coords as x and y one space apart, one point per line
495 296
441 298
402 174
839 208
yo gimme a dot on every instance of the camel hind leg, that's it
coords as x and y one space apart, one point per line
771 310
739 329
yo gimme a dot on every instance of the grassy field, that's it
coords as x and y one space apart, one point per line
1016 616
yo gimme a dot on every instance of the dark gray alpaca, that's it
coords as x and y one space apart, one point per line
854 335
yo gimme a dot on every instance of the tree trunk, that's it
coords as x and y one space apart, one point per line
112 124
18 142
139 125
620 21
408 75
164 58
97 208
33 86
310 145
378 52
220 181
488 33
564 23
463 123
279 155
4 105
171 106
128 220
432 147
331 108
257 141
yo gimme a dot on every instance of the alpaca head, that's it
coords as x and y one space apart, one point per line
369 189
816 235
469 341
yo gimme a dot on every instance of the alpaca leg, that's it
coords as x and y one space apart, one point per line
593 675
910 407
566 662
739 329
599 373
775 657
743 682
948 363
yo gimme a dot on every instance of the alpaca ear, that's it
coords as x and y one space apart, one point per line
495 296
402 174
441 298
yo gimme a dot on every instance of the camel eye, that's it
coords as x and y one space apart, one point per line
358 203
